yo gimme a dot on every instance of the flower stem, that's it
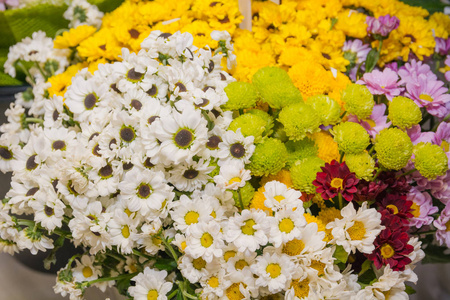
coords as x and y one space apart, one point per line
241 204
342 157
34 120
140 254
123 276
407 173
173 294
27 73
425 232
341 201
376 175
168 246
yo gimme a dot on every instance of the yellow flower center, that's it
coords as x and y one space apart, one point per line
128 212
357 231
183 245
87 272
294 247
393 208
447 225
301 288
248 227
233 292
387 251
426 97
199 263
228 255
213 282
132 268
286 225
274 270
415 210
152 295
125 231
233 180
336 183
213 214
445 145
370 122
240 264
156 240
206 240
279 198
191 217
319 266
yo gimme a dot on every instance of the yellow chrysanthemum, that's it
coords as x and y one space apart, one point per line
94 65
73 37
248 62
440 23
327 147
290 55
310 78
102 44
60 82
258 200
327 215
311 219
352 23
201 31
329 56
284 176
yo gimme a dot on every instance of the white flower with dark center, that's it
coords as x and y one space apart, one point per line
133 100
49 213
235 147
105 179
85 270
182 135
150 284
54 112
8 149
30 157
356 229
187 212
286 224
248 230
232 176
155 87
205 240
200 100
191 175
273 271
278 195
60 140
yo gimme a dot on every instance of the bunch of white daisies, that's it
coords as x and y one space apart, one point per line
136 166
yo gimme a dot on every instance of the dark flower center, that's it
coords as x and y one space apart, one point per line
326 56
59 145
105 172
32 191
136 104
127 166
93 135
134 76
165 35
184 138
413 39
134 33
152 91
181 87
148 164
112 142
55 184
208 87
213 142
114 88
49 211
71 189
89 101
5 153
237 150
95 150
31 164
190 174
127 134
203 103
103 47
55 115
210 66
225 20
223 77
152 119
144 191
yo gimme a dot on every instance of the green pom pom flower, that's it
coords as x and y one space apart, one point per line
276 87
299 150
394 148
404 113
328 109
249 124
304 172
362 164
351 137
240 95
430 160
269 157
246 194
266 117
358 100
298 120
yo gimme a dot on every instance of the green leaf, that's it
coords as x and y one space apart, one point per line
106 5
340 254
368 277
431 5
409 290
365 266
7 38
372 59
167 264
435 254
123 285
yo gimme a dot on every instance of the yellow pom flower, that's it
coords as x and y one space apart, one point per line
327 147
352 23
320 225
102 44
258 200
284 176
60 82
310 78
73 37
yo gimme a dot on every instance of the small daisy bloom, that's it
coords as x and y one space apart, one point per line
273 271
285 225
235 147
85 269
205 240
278 195
151 284
232 176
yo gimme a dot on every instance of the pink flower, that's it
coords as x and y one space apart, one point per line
417 136
447 63
442 234
358 49
442 46
430 94
422 208
8 3
411 71
442 138
376 122
382 83
383 25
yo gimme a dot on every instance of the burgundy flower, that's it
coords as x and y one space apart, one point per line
399 185
391 248
369 190
396 205
336 178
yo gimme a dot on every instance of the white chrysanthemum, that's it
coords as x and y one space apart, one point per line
190 175
356 229
273 271
48 212
213 286
238 261
389 283
81 12
149 237
235 147
85 269
248 230
194 269
123 230
33 241
232 176
187 212
278 195
150 284
182 135
240 285
205 240
309 241
286 224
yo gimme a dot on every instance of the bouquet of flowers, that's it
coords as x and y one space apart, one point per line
293 179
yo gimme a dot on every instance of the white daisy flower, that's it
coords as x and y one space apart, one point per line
235 147
190 175
273 271
150 284
388 283
85 270
285 225
356 229
240 285
309 241
232 176
194 269
205 240
278 195
33 241
48 212
187 212
237 261
123 230
213 286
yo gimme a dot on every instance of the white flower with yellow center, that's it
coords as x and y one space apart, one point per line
302 286
285 225
232 176
389 285
205 240
279 195
309 241
194 269
238 261
356 229
239 286
273 271
213 286
123 230
150 285
187 212
85 269
248 230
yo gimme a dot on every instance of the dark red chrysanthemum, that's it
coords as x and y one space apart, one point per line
396 205
392 248
336 178
369 190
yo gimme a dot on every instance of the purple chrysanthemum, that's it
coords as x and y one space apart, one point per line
411 71
442 225
417 136
383 25
442 46
382 83
358 48
422 208
376 122
447 63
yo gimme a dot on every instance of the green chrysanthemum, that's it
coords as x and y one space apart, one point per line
430 160
298 120
269 157
304 172
394 148
266 117
276 87
300 150
249 124
240 95
327 109
246 193
362 164
404 113
351 137
358 100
